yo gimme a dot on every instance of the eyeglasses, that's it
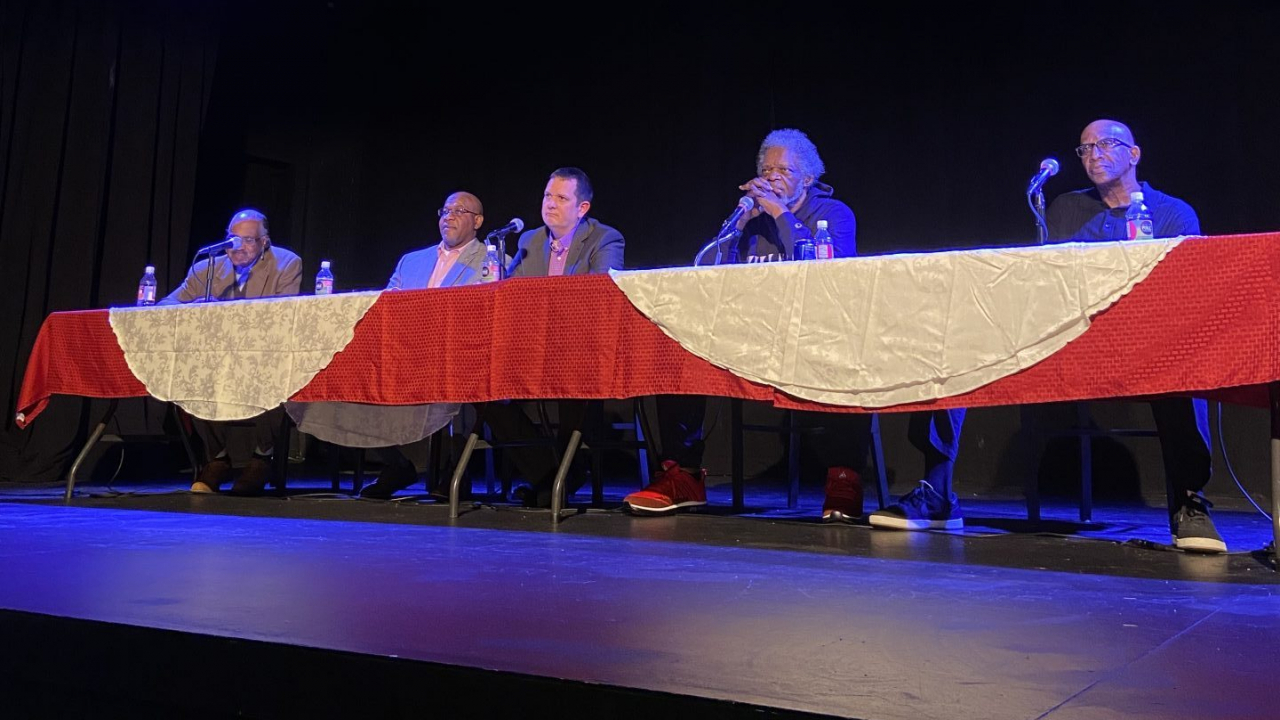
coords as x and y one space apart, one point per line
444 212
244 239
782 170
1104 144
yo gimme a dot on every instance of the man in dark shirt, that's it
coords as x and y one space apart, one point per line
789 202
1110 157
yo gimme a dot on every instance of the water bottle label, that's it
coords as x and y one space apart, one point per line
826 251
1141 229
324 287
146 294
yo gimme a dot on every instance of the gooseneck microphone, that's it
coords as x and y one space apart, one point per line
516 225
1035 197
744 206
232 243
1048 168
728 230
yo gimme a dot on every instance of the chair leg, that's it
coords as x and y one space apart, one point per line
455 483
557 487
642 442
1086 478
186 443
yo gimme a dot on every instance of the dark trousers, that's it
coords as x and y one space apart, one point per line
1183 424
266 432
935 433
536 463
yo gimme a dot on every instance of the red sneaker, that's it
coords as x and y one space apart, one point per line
844 496
674 489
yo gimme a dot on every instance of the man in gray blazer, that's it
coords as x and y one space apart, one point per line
255 269
455 261
570 243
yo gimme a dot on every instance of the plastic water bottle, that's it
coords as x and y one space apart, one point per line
805 249
324 279
147 286
492 270
824 247
1138 218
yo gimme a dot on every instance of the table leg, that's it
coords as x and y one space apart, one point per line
84 451
1274 389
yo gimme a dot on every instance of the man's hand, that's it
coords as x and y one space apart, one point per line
766 199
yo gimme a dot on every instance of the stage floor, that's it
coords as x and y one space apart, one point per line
769 609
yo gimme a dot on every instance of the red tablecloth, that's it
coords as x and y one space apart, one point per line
1205 321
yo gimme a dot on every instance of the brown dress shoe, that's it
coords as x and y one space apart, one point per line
212 475
253 479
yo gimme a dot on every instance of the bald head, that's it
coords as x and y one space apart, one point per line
1110 158
1107 128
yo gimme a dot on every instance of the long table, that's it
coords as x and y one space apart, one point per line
1206 321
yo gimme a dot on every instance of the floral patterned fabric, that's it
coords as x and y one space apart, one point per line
882 331
234 360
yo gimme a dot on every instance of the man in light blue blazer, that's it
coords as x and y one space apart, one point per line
454 262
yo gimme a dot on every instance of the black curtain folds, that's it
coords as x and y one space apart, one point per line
101 108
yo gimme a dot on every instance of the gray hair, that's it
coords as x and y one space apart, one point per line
799 144
249 214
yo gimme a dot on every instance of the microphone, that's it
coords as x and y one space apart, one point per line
744 206
232 243
516 225
1048 168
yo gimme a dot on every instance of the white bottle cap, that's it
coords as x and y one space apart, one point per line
1136 196
324 264
822 223
150 270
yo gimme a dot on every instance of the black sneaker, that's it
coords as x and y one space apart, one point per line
920 509
1193 529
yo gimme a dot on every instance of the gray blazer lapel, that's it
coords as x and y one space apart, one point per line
577 247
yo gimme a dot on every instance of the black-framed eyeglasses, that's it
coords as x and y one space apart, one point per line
1103 144
442 212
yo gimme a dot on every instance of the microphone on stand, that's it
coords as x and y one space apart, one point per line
1035 197
232 243
516 225
1048 168
728 230
744 206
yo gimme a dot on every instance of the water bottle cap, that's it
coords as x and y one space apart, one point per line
324 264
150 270
822 223
1136 196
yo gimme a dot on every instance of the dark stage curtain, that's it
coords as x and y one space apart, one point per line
101 108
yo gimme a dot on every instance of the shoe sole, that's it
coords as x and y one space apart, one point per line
667 510
835 516
1200 545
897 523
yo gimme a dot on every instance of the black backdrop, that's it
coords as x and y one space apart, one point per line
348 122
